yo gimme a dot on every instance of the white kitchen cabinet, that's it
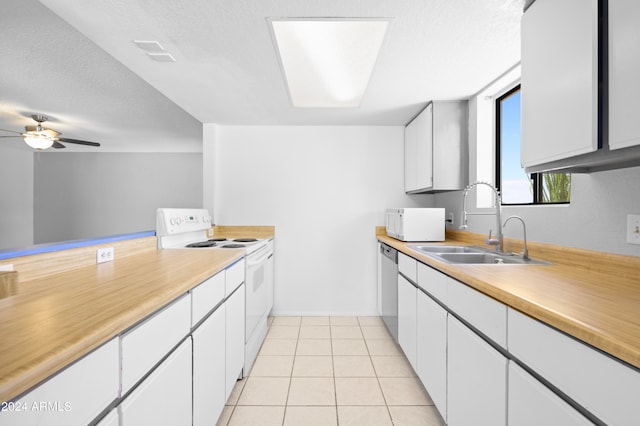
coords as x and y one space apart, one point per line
148 342
234 276
431 349
209 389
477 379
75 396
407 318
559 81
206 296
436 148
410 153
408 267
604 386
163 397
624 69
111 419
533 404
234 338
485 314
433 282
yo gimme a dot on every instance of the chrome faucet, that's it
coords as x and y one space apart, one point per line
525 252
498 240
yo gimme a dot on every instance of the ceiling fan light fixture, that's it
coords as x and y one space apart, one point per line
38 142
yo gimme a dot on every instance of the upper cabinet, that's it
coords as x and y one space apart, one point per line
624 72
579 85
559 80
435 148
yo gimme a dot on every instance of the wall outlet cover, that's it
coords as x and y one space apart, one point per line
633 229
105 255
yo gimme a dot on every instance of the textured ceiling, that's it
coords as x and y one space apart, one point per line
227 71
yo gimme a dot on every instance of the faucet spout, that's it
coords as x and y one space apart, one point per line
525 251
498 240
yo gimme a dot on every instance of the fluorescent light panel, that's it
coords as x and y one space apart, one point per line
328 63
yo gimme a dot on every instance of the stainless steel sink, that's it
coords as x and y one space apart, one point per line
473 255
446 249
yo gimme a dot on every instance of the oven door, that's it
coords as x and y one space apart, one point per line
257 296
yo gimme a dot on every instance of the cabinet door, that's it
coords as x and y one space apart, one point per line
407 319
164 397
624 69
424 148
111 419
209 391
432 350
234 338
477 379
533 404
559 80
75 396
410 147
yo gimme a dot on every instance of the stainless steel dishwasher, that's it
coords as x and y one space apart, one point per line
389 288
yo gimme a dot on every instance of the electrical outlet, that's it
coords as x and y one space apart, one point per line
450 219
210 232
633 229
105 255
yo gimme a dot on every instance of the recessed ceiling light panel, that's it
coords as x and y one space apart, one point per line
328 62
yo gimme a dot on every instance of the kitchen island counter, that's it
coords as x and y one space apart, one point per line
49 322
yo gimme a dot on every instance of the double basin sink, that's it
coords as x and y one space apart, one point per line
473 255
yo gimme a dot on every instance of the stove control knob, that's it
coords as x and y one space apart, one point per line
207 220
172 221
178 221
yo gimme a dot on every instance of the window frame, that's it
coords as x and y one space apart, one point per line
535 178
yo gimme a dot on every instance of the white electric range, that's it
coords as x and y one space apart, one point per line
189 228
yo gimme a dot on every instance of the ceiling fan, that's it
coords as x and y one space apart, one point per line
41 138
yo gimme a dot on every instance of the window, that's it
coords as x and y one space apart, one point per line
516 186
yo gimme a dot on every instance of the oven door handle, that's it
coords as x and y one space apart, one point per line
251 261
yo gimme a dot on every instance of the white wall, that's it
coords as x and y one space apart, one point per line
16 196
595 219
325 188
88 195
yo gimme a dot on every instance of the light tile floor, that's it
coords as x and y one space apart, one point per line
329 371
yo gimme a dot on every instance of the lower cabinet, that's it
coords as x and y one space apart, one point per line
163 397
533 404
407 318
209 390
431 348
75 396
111 419
234 339
477 379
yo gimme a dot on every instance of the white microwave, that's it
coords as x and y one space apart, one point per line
415 224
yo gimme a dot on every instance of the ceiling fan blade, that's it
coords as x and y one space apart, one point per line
57 145
10 131
79 142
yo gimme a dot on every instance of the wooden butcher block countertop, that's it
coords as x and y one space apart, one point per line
48 322
592 296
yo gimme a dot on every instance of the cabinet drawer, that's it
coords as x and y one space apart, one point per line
206 296
234 277
602 385
75 396
482 312
408 267
150 341
433 282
